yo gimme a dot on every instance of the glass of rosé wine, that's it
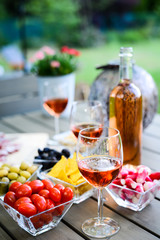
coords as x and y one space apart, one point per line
55 99
99 159
86 114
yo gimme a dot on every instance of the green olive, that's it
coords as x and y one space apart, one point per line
5 180
24 166
12 176
25 174
14 169
6 165
32 169
21 179
3 173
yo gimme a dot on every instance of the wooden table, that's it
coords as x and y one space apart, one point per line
134 225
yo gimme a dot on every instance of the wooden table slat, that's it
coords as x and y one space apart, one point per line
4 235
148 218
88 209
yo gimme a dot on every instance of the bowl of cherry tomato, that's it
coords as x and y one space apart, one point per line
37 206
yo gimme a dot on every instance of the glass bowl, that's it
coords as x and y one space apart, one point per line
4 186
46 164
128 198
81 191
40 222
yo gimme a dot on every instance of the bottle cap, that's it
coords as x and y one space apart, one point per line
126 51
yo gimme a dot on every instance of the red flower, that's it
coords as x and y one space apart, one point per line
70 51
64 49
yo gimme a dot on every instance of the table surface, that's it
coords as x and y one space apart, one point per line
134 225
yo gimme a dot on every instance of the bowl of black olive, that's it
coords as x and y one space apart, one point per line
48 157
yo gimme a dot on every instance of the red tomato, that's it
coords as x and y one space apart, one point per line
58 210
44 193
46 217
37 224
49 204
23 191
10 198
36 185
40 203
67 194
33 196
21 200
60 187
27 209
47 184
28 182
13 187
55 195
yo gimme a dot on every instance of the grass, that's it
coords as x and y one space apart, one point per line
146 55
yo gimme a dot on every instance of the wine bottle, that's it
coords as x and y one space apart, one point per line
125 110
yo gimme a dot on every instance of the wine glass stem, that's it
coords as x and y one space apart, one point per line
57 125
100 205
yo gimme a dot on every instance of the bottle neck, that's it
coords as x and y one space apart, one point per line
125 70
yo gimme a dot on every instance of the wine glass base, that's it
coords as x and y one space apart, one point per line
100 228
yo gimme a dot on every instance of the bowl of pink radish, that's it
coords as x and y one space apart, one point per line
135 187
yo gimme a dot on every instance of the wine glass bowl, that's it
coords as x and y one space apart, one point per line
86 114
99 161
55 99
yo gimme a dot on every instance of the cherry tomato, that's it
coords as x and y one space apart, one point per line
60 187
28 182
44 193
21 200
33 196
10 198
40 203
27 209
47 184
13 187
23 191
36 185
49 204
58 210
55 195
37 224
46 217
67 194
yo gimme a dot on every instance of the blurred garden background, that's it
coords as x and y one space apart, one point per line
97 28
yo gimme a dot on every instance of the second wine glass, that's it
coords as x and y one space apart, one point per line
55 99
86 114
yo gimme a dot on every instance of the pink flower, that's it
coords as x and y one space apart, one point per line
48 50
39 55
55 64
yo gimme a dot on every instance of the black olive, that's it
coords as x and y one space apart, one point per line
66 153
46 150
37 157
40 152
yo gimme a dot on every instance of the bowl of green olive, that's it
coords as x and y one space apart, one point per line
9 174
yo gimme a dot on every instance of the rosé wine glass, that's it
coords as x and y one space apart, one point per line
86 114
55 99
99 161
